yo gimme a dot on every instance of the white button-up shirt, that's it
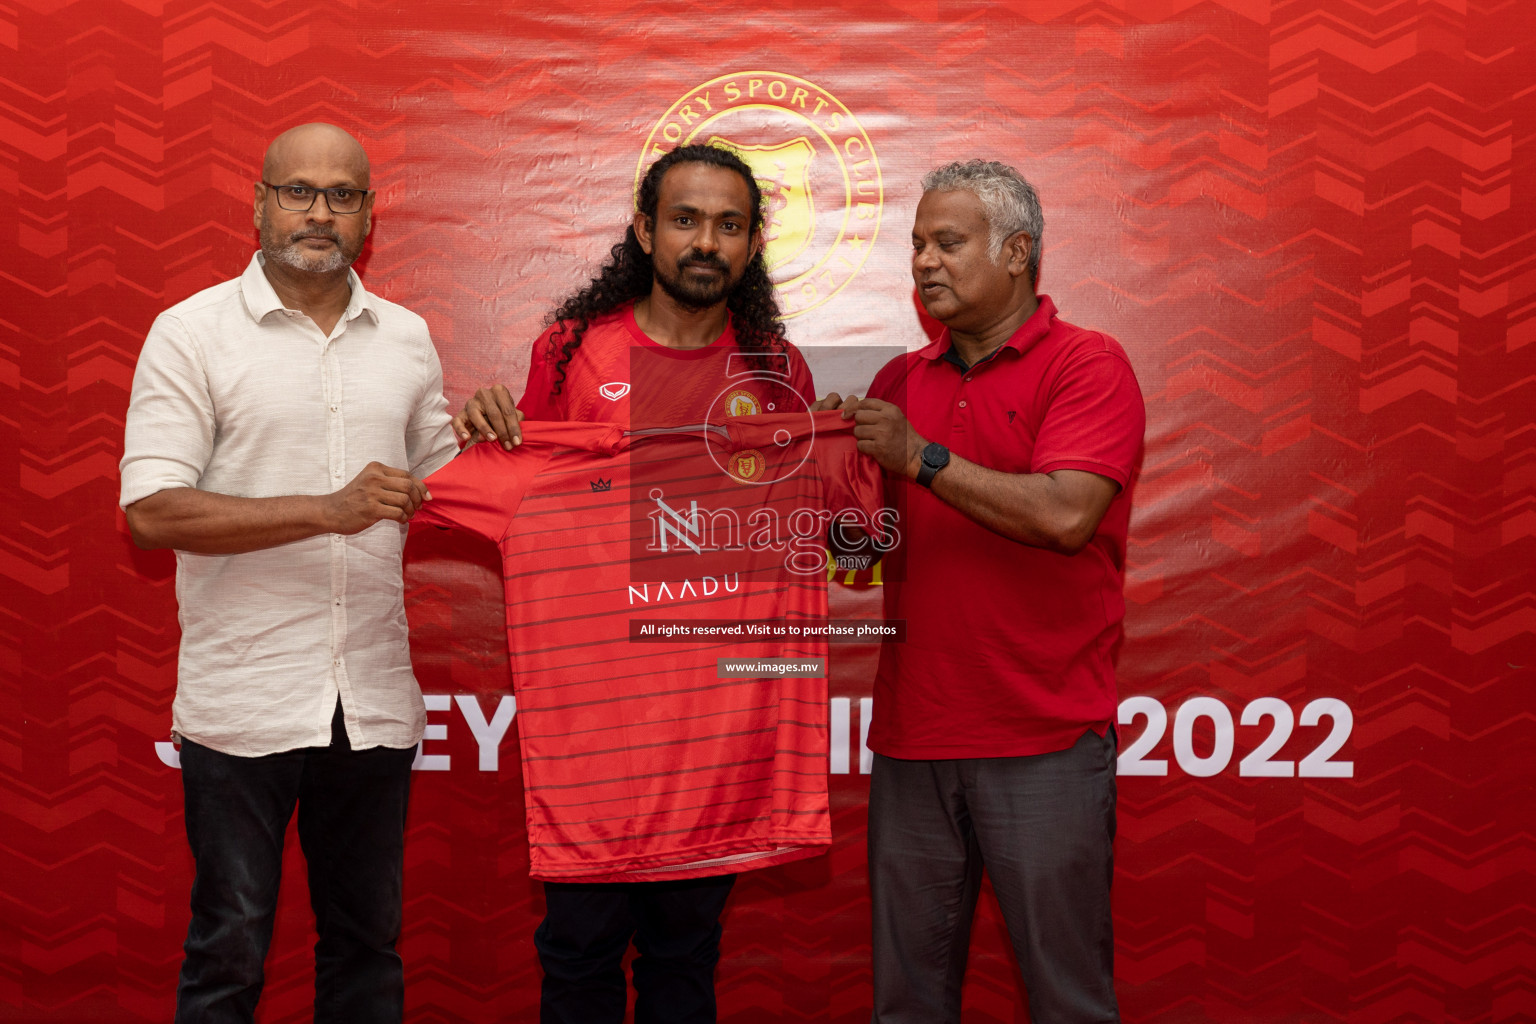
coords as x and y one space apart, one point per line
236 394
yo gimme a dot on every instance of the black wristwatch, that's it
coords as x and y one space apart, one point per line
935 458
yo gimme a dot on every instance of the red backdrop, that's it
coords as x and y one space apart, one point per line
1309 222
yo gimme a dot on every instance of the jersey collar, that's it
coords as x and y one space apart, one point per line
727 339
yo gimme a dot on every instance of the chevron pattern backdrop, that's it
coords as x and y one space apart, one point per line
1311 223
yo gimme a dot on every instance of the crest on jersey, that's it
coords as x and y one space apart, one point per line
748 466
614 390
742 403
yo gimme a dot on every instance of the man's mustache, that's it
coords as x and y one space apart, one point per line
329 236
701 259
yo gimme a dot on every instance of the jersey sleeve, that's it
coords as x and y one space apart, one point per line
1095 420
851 480
539 402
800 375
858 484
480 490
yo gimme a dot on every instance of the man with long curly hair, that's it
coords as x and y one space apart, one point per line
647 341
650 341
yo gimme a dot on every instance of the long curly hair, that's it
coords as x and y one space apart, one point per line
629 273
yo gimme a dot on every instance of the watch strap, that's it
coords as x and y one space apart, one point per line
929 469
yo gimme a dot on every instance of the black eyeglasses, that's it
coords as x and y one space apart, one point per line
300 198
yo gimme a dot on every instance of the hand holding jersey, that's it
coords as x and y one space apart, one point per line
490 415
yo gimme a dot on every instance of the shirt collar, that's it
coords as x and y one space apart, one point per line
1029 332
261 298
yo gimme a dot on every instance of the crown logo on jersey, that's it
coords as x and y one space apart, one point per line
599 485
614 390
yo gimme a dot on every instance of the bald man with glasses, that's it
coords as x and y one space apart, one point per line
277 434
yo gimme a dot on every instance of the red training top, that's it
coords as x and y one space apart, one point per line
1010 649
640 762
619 375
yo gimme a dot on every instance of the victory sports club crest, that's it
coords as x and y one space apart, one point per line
813 161
748 466
768 464
741 403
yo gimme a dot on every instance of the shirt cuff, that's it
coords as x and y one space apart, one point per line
143 477
1087 465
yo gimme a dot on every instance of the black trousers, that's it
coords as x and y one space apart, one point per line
351 807
587 929
1043 827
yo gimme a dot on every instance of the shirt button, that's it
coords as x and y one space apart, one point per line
967 380
333 408
962 403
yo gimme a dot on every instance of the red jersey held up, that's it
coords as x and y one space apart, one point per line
1010 649
639 761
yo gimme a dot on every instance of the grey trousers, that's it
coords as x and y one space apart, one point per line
1044 827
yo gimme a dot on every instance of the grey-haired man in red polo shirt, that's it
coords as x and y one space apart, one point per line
1012 441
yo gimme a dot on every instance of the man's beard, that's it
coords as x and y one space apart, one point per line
287 251
695 294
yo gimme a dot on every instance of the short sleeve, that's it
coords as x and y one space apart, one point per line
429 440
481 489
169 430
859 484
539 402
800 376
850 479
1095 419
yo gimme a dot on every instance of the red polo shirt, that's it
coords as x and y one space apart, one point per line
1010 649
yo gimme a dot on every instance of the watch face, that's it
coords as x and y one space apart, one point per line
935 455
